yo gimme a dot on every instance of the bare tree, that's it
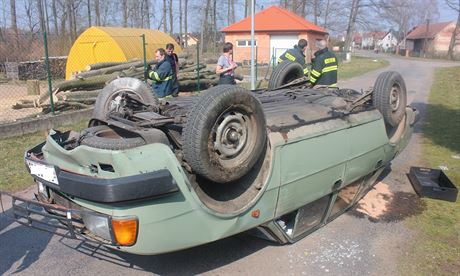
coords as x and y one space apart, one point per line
88 5
406 13
146 14
124 9
135 14
247 4
28 6
214 26
171 19
230 12
326 13
47 19
186 22
316 10
180 23
97 12
55 18
229 6
204 25
41 16
303 8
72 17
165 7
64 16
351 24
14 24
453 39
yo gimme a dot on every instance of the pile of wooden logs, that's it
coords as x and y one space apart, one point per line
82 90
36 70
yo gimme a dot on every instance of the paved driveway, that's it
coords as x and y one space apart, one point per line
362 241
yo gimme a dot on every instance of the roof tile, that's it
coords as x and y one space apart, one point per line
420 31
274 18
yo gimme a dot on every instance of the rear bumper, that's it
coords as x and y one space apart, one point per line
105 190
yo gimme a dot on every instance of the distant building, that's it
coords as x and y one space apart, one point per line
372 39
191 40
357 41
433 38
276 30
389 42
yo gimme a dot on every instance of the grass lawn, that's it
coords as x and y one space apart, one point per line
436 250
357 66
13 173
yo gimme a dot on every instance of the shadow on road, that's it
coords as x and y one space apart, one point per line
19 244
191 261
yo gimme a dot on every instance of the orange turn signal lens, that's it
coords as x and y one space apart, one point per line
125 231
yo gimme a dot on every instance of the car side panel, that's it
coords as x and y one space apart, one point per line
310 168
366 149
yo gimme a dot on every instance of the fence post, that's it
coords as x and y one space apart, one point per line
145 55
198 66
257 67
48 71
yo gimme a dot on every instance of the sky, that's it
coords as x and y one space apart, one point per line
446 13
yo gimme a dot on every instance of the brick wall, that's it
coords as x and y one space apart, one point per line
442 40
242 54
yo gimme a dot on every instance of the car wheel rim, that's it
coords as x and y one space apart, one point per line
395 96
114 104
231 135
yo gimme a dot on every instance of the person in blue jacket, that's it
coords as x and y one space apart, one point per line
161 74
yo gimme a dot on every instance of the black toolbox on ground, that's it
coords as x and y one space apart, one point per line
432 183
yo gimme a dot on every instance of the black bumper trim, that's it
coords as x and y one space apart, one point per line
141 186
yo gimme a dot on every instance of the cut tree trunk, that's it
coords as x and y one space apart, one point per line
101 65
112 69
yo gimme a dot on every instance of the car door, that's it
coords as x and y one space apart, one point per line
311 167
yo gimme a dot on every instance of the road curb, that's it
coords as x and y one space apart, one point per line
43 122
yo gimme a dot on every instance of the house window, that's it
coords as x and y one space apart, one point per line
245 43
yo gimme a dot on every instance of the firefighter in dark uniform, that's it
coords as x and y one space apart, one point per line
324 67
296 54
161 74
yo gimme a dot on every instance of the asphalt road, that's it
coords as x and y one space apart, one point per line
355 243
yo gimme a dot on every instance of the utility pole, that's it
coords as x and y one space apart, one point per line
253 70
425 41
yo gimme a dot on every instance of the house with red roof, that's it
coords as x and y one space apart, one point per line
432 38
357 40
276 30
371 39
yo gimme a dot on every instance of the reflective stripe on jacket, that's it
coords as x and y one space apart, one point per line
162 76
324 68
294 55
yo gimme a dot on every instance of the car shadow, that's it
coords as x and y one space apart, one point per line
421 108
19 243
190 261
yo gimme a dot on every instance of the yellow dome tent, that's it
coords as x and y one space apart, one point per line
109 44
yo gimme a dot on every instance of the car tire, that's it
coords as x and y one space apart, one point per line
284 73
225 133
136 88
390 97
110 138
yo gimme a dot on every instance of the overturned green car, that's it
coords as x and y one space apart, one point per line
150 176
